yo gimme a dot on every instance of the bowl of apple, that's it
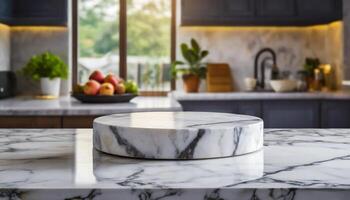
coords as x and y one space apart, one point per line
105 89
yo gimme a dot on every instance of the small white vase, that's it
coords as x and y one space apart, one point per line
50 87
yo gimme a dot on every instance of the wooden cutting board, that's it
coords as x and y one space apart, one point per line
219 78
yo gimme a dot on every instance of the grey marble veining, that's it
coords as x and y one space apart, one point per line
181 96
61 164
178 135
66 106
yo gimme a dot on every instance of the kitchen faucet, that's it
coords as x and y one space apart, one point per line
261 82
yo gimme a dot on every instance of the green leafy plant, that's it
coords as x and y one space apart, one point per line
310 65
46 65
194 55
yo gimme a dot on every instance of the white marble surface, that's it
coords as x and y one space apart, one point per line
178 135
295 165
310 159
182 96
66 106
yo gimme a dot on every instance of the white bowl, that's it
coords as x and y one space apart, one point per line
283 85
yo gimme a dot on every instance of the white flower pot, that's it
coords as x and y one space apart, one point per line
50 87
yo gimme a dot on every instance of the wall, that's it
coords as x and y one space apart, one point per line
29 41
335 51
346 19
4 47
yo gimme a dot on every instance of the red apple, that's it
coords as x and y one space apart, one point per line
107 89
97 76
92 87
112 79
120 89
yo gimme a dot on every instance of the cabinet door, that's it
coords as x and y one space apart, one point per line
78 121
312 8
291 114
252 108
30 122
5 10
42 12
336 114
201 12
276 8
238 8
209 106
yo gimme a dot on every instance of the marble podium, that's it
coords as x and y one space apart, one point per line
178 135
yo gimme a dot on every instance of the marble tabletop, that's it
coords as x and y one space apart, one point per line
340 95
67 106
295 164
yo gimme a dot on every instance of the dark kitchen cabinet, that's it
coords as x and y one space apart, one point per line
38 12
252 108
291 114
336 114
238 8
299 113
42 12
259 12
5 11
208 11
276 8
47 121
319 9
30 122
209 106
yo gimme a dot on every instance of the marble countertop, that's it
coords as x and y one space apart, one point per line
181 96
61 164
60 159
27 106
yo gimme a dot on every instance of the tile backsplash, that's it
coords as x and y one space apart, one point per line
238 46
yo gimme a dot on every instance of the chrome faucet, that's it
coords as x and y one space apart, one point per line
261 82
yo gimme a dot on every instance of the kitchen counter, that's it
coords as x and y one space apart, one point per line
181 96
59 164
66 106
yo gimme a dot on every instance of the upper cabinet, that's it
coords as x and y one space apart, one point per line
5 10
238 8
40 12
208 11
320 10
276 8
259 12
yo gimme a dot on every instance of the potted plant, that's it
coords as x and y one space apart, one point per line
309 69
195 69
49 69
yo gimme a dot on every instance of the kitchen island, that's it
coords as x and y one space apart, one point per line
59 164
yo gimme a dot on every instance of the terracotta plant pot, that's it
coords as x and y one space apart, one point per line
191 83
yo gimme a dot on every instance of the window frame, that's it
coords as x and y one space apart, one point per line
122 43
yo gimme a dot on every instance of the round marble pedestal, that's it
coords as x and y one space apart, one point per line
178 135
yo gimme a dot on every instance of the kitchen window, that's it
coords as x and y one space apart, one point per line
132 38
